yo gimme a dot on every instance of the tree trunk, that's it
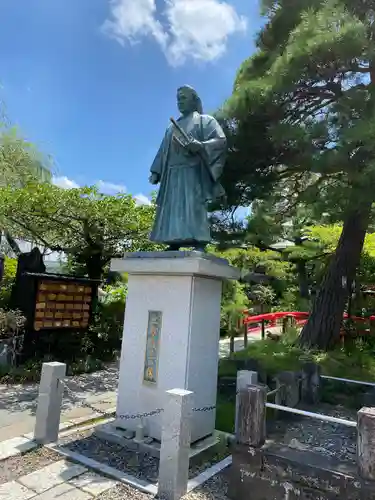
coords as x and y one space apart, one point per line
302 279
322 329
94 266
12 243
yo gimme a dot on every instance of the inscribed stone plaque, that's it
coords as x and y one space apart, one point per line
150 374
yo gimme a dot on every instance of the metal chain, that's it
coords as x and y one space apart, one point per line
81 402
205 408
125 416
141 415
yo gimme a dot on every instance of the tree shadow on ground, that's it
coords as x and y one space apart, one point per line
88 387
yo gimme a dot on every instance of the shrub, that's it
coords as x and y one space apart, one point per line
106 330
12 325
10 269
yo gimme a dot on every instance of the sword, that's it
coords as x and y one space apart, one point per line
182 133
188 139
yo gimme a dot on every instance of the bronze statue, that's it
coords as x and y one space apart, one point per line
188 167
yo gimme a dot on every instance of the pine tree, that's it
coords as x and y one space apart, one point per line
312 77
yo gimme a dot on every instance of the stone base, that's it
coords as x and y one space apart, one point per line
184 290
109 432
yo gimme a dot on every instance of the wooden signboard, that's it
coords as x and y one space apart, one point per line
62 303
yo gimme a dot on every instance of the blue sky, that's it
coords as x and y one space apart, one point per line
93 82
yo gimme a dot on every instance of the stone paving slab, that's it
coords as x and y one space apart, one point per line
15 491
16 428
15 446
64 491
62 427
93 483
51 476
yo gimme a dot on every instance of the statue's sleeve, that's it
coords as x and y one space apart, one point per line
161 155
157 164
215 145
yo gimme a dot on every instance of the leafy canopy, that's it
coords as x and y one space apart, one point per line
81 222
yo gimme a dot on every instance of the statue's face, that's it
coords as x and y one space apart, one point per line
185 101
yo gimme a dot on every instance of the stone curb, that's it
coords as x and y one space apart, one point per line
73 425
122 477
105 469
24 443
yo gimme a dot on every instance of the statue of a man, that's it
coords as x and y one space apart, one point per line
188 166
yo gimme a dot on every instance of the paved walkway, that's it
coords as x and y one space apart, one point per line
61 480
18 402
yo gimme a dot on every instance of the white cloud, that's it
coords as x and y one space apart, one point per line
194 29
131 19
103 186
141 199
110 188
64 182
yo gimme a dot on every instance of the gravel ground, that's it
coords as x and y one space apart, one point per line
142 466
214 489
123 492
15 467
332 440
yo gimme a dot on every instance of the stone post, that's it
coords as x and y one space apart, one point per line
251 416
291 392
175 445
366 443
310 383
244 379
247 452
49 403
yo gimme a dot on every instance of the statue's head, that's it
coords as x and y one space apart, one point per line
188 100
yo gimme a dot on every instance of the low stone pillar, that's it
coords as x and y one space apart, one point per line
310 383
291 392
366 443
49 403
251 416
175 445
244 379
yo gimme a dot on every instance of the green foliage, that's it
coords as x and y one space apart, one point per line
10 269
225 414
263 294
83 223
116 294
20 162
11 323
354 361
311 83
292 301
107 328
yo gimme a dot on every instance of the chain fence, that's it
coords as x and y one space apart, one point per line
80 402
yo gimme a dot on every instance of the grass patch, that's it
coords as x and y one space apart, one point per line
355 361
225 411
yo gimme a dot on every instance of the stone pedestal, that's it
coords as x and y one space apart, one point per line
171 335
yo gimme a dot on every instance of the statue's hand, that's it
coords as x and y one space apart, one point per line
194 146
154 179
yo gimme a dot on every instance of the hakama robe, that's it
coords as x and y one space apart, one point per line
188 182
